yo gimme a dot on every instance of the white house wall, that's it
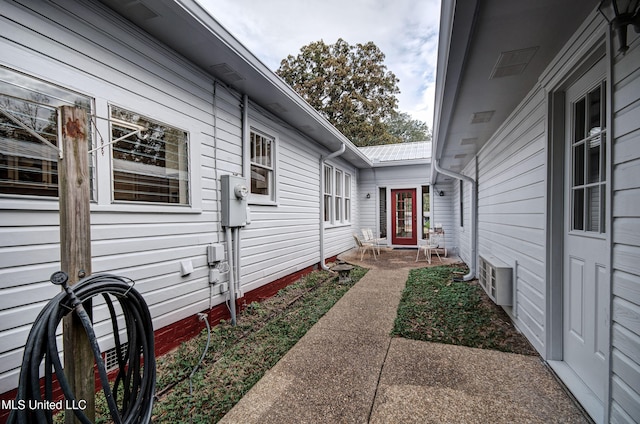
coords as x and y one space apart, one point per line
443 212
389 177
512 172
625 354
511 209
91 50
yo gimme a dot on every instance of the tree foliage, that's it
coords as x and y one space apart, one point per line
350 86
407 129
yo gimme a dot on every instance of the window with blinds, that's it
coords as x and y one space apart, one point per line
589 178
328 192
27 165
149 166
262 165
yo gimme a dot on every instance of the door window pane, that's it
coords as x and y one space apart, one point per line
588 161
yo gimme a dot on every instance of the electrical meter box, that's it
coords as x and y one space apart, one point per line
234 201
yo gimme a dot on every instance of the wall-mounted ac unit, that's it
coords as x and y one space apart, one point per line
496 278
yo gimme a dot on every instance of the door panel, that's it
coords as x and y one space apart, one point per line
403 217
586 252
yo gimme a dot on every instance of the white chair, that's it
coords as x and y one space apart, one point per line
430 246
367 234
363 246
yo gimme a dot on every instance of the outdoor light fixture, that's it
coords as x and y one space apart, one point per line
441 193
620 14
368 195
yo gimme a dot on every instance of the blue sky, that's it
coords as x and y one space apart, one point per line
405 30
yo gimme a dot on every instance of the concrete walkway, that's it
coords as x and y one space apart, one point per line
347 369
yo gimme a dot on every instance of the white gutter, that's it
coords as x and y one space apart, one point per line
474 215
323 159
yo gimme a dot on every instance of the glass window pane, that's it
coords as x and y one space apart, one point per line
152 166
595 111
578 165
579 120
593 160
27 165
578 209
260 180
327 208
593 209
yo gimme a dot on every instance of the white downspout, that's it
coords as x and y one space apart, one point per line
474 215
323 159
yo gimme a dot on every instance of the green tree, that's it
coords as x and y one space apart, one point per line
348 85
401 125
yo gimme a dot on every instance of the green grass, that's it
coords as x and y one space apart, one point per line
435 308
238 356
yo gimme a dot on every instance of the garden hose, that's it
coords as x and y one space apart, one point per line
135 379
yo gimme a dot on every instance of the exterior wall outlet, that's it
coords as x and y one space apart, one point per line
215 253
214 276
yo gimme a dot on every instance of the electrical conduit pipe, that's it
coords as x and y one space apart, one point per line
474 215
323 159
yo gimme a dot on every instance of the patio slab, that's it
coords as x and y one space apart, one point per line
348 369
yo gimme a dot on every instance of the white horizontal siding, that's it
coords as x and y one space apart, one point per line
625 355
95 52
512 209
443 211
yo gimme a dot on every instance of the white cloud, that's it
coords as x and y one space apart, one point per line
405 30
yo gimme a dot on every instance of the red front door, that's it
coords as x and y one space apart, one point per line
403 217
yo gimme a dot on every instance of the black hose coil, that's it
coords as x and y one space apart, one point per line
136 377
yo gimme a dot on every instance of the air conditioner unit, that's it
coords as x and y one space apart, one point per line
496 278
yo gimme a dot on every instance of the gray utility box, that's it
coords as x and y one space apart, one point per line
496 278
234 201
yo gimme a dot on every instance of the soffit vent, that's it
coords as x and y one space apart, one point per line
513 62
276 107
460 156
226 72
468 141
482 117
138 11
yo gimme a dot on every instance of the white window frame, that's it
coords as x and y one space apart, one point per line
269 134
336 196
327 204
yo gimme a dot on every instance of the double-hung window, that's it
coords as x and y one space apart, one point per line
328 193
29 106
262 154
337 195
150 165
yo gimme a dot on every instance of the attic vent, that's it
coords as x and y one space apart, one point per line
226 72
513 62
496 279
482 117
460 156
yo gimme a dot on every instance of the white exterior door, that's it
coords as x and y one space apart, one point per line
586 254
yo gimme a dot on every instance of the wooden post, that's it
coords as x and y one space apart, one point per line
75 250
